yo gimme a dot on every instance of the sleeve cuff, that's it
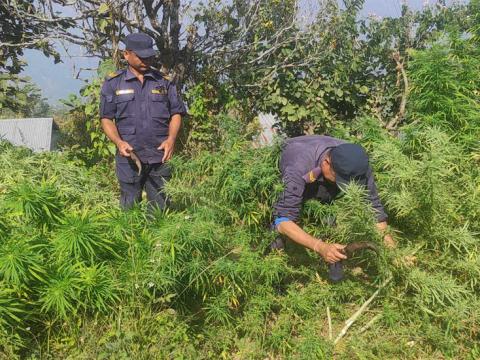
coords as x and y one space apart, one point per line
178 112
279 220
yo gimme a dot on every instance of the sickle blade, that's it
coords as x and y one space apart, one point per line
135 158
356 246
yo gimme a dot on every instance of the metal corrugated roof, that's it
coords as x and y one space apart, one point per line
34 133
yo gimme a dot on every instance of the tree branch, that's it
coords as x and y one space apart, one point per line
392 125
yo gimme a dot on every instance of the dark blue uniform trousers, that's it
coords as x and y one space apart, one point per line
152 179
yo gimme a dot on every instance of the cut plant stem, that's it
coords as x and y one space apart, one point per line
370 323
360 311
330 334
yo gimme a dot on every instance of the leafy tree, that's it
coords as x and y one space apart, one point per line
98 26
23 26
20 97
80 123
315 74
18 34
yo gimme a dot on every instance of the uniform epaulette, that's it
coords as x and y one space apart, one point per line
113 74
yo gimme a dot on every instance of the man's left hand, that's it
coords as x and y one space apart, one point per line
168 146
389 241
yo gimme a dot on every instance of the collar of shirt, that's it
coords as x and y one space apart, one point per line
316 173
130 75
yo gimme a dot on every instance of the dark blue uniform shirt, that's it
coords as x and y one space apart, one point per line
300 168
142 112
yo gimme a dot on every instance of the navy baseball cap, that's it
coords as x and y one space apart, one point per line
141 44
350 163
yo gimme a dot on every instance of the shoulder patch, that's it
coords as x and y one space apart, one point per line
113 74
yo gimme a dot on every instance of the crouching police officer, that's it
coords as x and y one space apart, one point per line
318 167
141 113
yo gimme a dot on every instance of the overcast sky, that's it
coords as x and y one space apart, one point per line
58 80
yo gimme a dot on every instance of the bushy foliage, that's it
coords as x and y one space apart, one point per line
238 183
20 97
80 124
194 281
449 100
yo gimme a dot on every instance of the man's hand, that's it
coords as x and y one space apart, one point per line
388 240
124 148
168 146
331 253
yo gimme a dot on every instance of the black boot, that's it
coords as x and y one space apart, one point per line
277 244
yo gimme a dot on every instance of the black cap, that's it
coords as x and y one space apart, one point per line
350 162
141 44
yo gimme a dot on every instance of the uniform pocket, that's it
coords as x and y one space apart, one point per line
159 106
161 129
127 133
125 105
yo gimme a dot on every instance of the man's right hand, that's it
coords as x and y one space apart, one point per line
124 148
331 253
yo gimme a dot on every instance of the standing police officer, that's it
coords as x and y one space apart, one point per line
141 113
319 167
